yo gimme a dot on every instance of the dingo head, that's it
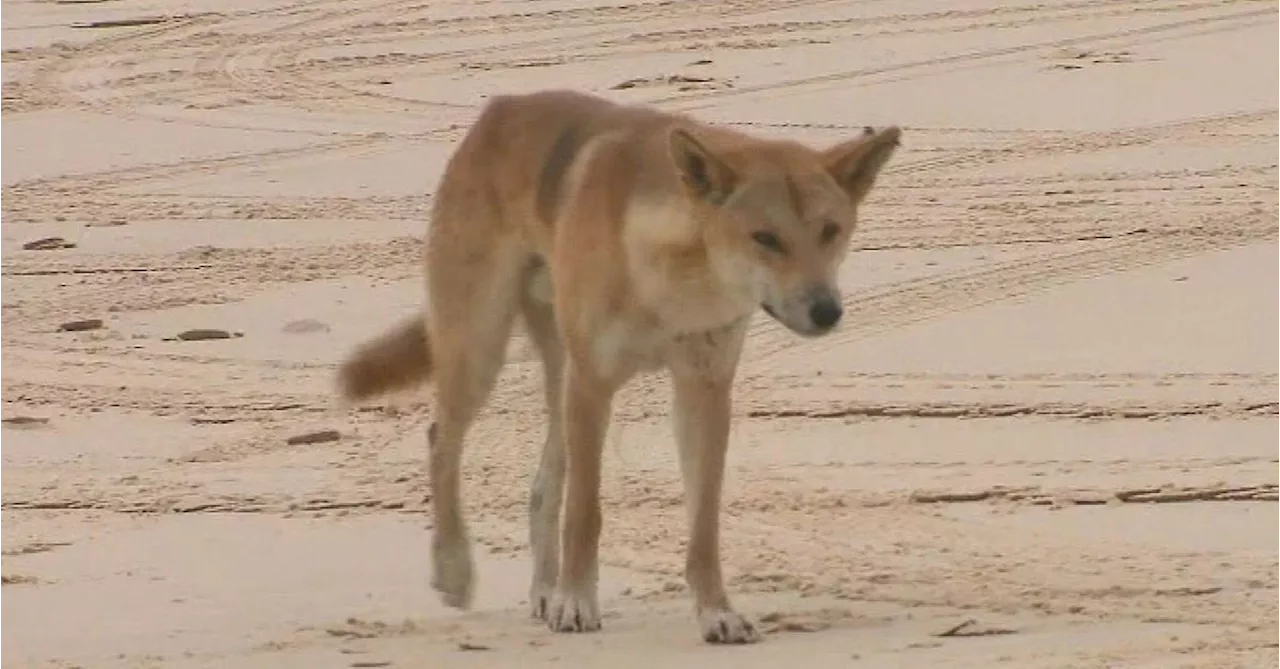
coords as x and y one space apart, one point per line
776 217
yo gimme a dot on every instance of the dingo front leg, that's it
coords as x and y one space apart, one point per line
703 380
587 404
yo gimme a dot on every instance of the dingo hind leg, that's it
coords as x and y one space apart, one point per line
474 275
548 484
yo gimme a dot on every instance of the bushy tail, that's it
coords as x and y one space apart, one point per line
397 359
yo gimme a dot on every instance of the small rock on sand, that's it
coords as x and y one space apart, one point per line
47 244
25 421
319 437
305 326
81 326
203 334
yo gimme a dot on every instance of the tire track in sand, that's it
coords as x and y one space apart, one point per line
702 100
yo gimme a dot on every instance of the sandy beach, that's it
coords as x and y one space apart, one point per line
1044 436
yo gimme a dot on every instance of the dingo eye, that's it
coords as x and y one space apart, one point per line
768 240
829 232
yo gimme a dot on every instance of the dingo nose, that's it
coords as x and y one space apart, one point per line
825 312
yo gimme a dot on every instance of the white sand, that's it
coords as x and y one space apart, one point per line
1065 296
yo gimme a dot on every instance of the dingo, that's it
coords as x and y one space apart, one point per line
628 239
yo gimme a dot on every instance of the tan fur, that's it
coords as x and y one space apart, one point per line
398 359
628 240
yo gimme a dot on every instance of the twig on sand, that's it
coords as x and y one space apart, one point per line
967 628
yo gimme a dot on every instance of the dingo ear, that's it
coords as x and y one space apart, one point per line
856 163
706 175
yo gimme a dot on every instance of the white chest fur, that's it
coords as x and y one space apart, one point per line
674 278
622 349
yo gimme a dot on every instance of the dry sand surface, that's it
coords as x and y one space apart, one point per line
1049 423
